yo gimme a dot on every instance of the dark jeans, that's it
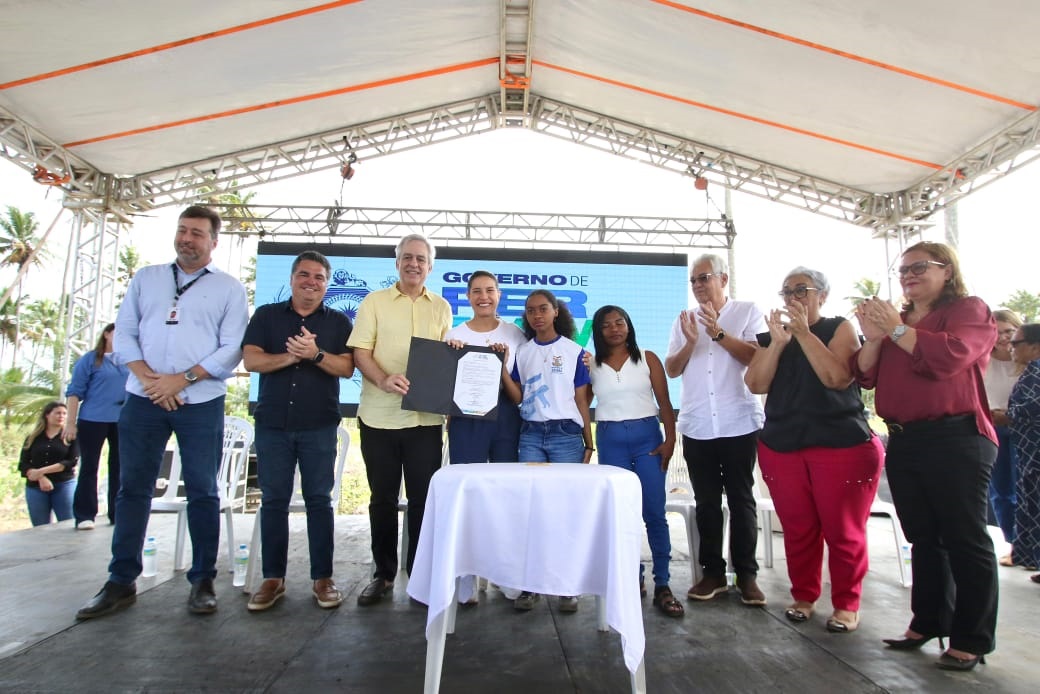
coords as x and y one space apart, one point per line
1002 484
278 452
724 465
387 452
939 476
92 436
144 430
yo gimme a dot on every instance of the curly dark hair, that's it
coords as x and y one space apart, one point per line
564 321
600 344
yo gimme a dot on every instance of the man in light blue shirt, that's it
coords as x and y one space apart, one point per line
179 331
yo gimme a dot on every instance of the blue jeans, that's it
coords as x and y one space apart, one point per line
1002 484
627 445
41 503
278 452
144 430
554 441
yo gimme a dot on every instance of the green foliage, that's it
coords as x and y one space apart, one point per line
1025 305
18 238
865 288
236 404
22 400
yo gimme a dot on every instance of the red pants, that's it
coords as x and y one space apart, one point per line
824 494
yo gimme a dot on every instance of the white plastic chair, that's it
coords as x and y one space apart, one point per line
296 505
884 508
238 438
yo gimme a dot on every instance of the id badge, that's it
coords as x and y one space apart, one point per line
172 318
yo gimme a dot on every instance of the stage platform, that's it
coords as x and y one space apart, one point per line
720 646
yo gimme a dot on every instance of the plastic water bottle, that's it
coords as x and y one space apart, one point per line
907 559
150 558
241 565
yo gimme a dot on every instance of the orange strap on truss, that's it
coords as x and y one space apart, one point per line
45 177
515 82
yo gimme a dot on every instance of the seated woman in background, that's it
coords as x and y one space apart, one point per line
1024 413
632 402
47 463
817 453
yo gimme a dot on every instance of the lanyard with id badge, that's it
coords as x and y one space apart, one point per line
173 317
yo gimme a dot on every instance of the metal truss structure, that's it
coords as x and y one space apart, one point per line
883 213
93 268
460 228
104 202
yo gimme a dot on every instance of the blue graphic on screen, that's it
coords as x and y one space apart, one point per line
651 287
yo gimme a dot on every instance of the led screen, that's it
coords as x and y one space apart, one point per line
650 286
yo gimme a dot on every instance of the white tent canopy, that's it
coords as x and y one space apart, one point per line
876 112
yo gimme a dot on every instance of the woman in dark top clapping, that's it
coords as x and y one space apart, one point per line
816 451
47 464
926 364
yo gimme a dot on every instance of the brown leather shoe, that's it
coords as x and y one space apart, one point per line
707 588
327 594
271 590
750 593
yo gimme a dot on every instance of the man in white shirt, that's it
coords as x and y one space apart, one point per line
719 419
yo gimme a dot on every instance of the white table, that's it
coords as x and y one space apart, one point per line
551 529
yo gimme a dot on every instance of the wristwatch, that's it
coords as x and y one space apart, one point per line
190 376
319 356
898 332
719 336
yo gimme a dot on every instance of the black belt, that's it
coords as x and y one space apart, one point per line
931 425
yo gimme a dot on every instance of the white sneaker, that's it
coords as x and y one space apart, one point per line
85 525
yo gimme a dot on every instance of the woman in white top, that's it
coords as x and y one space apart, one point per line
632 402
999 377
481 440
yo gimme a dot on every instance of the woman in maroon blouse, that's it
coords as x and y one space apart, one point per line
926 364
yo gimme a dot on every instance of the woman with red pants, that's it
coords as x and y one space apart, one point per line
817 453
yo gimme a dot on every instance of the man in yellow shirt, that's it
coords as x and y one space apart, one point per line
395 440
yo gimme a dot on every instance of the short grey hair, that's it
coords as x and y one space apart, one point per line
718 263
416 237
819 280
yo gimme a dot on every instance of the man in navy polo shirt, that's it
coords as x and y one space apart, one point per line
299 348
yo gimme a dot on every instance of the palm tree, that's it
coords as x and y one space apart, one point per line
18 246
43 326
129 262
865 288
8 325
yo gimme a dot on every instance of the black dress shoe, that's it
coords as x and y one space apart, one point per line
374 592
111 597
908 644
202 599
952 662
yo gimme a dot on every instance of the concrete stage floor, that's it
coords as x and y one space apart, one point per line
720 646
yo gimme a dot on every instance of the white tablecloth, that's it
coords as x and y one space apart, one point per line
551 529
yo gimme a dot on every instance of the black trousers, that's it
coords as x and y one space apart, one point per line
415 451
92 436
724 465
939 476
